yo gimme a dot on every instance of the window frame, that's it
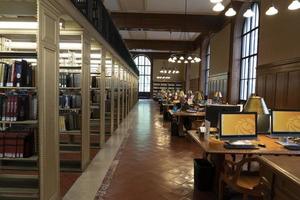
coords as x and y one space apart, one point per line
144 72
249 53
207 68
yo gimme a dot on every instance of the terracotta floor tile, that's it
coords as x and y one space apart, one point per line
153 165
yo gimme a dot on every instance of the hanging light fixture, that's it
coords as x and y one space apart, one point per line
230 12
184 57
218 7
249 13
295 5
272 10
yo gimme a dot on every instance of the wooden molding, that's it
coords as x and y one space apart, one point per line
281 65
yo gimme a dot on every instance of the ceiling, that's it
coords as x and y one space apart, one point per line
152 21
159 35
162 6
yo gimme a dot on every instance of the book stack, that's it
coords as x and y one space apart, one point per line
69 121
95 97
69 101
95 81
18 74
18 106
69 79
16 142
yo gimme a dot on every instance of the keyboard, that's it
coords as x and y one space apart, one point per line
240 146
293 147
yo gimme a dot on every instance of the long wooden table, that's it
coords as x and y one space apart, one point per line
181 114
283 173
214 146
214 150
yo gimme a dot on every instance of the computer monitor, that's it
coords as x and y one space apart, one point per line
285 123
213 112
238 126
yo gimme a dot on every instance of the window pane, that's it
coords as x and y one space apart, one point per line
147 61
147 79
147 70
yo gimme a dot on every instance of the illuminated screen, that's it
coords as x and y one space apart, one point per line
286 121
238 124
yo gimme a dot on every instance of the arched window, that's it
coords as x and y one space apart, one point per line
249 54
144 65
207 67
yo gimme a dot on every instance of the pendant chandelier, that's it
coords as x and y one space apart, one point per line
184 57
272 10
167 70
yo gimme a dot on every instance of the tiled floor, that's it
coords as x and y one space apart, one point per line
153 165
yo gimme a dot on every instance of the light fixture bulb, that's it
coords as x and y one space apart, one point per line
165 71
177 72
170 60
218 7
295 5
249 13
179 61
216 1
271 11
190 58
181 58
174 58
192 61
230 12
170 71
186 61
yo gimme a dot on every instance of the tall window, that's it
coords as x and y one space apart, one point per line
207 67
249 54
144 65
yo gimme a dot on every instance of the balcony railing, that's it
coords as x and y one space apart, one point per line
98 16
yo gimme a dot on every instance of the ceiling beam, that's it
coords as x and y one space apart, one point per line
154 55
169 45
168 22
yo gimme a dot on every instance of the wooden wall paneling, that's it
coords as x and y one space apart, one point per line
102 98
85 102
281 91
261 85
112 98
218 82
48 73
293 100
270 90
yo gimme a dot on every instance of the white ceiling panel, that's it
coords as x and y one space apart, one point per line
165 6
112 5
125 34
165 35
162 6
138 35
132 5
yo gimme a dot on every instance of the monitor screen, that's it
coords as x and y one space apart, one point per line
238 125
286 123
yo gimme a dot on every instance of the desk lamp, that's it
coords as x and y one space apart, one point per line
258 105
218 97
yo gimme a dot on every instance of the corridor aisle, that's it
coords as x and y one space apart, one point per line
151 165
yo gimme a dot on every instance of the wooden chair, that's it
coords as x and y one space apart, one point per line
246 183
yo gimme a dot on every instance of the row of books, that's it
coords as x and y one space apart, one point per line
69 121
18 74
69 79
95 81
16 144
18 106
95 97
69 101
